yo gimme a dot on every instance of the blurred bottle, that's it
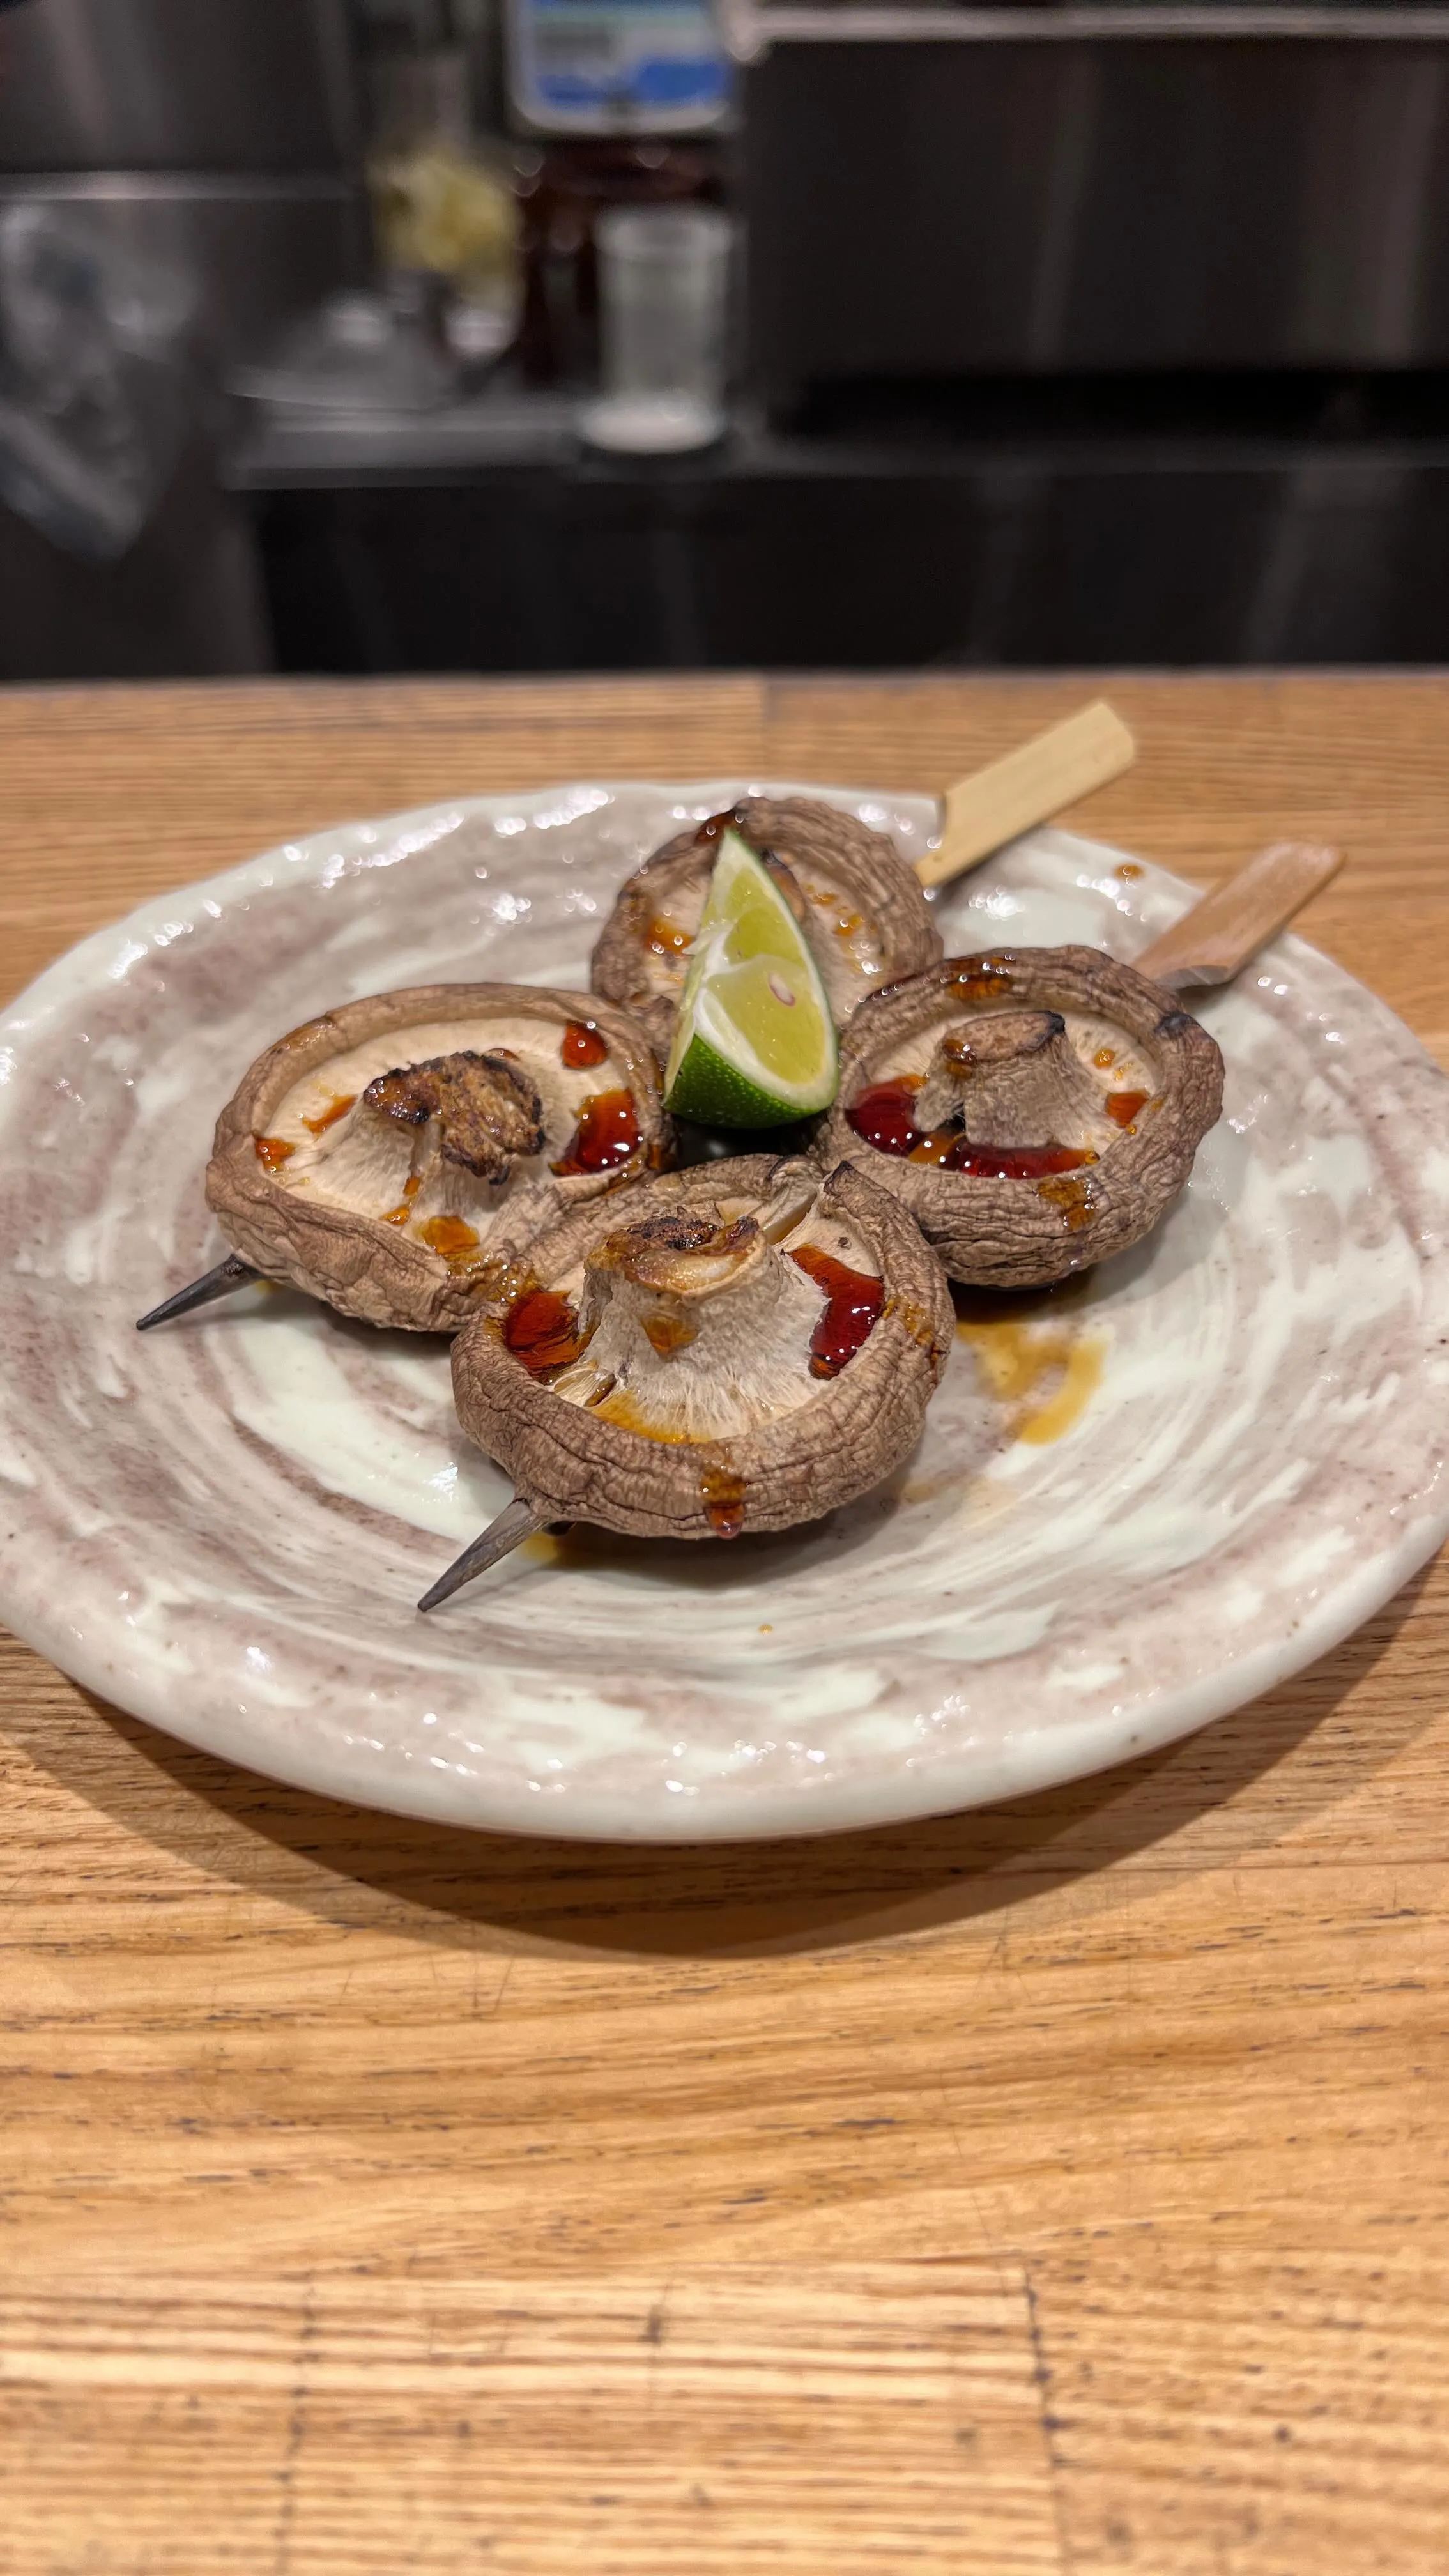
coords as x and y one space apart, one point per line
623 98
444 204
565 188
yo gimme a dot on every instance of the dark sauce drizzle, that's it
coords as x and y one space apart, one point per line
715 826
581 1045
853 1302
724 1500
607 1133
541 1328
1015 1162
1124 1106
337 1108
884 1115
452 1237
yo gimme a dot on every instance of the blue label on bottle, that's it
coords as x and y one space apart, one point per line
618 60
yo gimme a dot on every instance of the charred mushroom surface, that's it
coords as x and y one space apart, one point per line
1036 1109
489 1113
738 1347
860 906
386 1155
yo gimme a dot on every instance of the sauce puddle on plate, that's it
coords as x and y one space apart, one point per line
1037 1361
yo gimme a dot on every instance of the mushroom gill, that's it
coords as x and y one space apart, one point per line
389 1155
754 1346
1036 1109
692 1329
432 1143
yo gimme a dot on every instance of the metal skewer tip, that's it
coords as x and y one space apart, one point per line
229 1274
514 1524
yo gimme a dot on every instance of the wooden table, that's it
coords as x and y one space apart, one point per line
1062 2188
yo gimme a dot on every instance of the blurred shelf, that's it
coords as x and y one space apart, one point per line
1104 426
991 526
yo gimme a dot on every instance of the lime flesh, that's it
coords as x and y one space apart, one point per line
755 1042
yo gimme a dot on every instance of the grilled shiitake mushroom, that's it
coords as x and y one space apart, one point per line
739 1347
1036 1109
385 1155
859 903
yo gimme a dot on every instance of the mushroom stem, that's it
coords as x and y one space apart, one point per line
229 1274
516 1522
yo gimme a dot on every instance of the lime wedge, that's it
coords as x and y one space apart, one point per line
755 1042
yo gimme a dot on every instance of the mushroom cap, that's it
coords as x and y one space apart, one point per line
393 1190
1025 1048
690 1286
861 907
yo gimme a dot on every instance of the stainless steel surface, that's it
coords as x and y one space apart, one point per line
260 250
185 601
503 427
178 84
930 195
751 29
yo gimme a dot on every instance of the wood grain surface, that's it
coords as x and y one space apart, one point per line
1063 2188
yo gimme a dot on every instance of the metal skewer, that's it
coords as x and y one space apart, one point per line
220 1282
516 1522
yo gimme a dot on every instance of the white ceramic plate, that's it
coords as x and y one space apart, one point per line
1127 1516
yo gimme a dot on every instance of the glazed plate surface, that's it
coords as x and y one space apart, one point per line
1137 1503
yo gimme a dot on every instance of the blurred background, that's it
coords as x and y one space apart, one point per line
527 335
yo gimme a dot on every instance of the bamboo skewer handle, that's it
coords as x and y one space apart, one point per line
1219 935
1026 787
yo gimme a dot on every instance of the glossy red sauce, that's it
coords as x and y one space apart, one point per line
1015 1162
715 826
724 1500
936 1145
450 1236
337 1108
582 1045
666 939
542 1329
885 1115
1124 1106
982 979
400 1215
853 1300
607 1133
273 1152
1073 1196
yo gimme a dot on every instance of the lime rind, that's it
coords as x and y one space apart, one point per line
712 1093
747 948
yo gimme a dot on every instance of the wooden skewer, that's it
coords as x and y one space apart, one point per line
228 1275
1218 935
1028 786
516 1522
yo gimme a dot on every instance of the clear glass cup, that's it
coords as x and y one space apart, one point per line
663 310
